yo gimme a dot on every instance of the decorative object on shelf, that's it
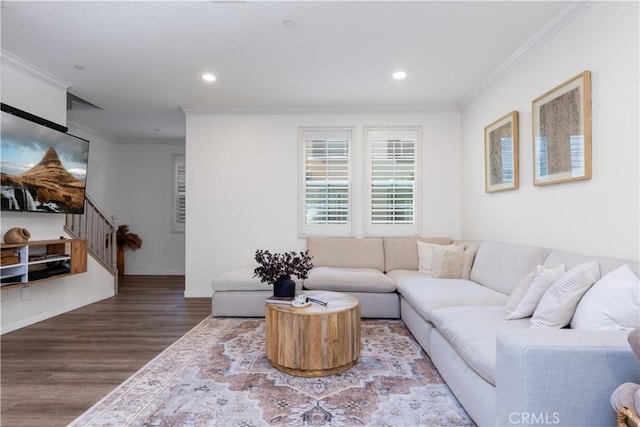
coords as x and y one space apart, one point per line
17 235
125 240
501 154
277 268
39 260
9 256
562 132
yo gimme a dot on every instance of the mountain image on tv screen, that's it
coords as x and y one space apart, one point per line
41 169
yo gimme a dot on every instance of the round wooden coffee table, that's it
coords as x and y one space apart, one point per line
317 340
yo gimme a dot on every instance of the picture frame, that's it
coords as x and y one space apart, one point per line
501 154
562 132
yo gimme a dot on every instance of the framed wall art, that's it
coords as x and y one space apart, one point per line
501 154
562 132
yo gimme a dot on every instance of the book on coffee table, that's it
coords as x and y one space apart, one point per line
279 300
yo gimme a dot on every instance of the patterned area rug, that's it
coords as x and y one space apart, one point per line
218 375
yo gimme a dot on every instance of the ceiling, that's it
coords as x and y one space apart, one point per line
141 62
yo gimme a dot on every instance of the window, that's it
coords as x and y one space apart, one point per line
178 220
326 189
392 181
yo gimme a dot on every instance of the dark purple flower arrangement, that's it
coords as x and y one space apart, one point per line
274 266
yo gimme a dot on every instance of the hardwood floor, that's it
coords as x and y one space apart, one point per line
56 369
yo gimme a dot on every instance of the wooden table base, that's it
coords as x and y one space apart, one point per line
314 341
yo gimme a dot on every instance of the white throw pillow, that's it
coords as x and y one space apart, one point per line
524 300
612 303
518 293
424 256
558 304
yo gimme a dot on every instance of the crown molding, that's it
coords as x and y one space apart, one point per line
18 64
74 126
196 111
554 25
154 141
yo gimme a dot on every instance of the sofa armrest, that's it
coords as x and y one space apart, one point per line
561 376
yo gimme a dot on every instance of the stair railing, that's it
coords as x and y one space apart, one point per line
100 233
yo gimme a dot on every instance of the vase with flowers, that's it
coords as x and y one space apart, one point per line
277 268
125 239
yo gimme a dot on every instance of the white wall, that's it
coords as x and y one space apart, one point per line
242 181
37 94
595 217
33 90
102 173
53 297
144 182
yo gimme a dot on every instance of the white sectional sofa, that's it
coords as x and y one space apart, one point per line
503 372
350 265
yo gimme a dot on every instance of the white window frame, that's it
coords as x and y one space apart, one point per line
391 133
306 134
179 172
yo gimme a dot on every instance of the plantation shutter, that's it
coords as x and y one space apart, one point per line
179 193
326 198
392 182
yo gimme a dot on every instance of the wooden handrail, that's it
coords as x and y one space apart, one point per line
100 233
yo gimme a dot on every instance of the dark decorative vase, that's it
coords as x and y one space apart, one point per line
284 287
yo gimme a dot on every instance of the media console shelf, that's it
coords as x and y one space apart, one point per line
40 260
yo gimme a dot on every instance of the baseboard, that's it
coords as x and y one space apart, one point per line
52 313
197 294
154 272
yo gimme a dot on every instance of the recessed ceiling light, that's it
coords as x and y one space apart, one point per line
208 77
399 75
288 24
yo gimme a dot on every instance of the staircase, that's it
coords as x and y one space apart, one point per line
100 233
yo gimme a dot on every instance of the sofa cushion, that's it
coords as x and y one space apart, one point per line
472 332
426 294
349 279
346 252
239 279
401 253
605 264
502 266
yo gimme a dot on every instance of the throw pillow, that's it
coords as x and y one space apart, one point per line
470 251
446 261
558 304
612 303
448 264
518 293
524 300
425 255
452 262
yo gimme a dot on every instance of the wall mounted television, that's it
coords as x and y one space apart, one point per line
42 167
